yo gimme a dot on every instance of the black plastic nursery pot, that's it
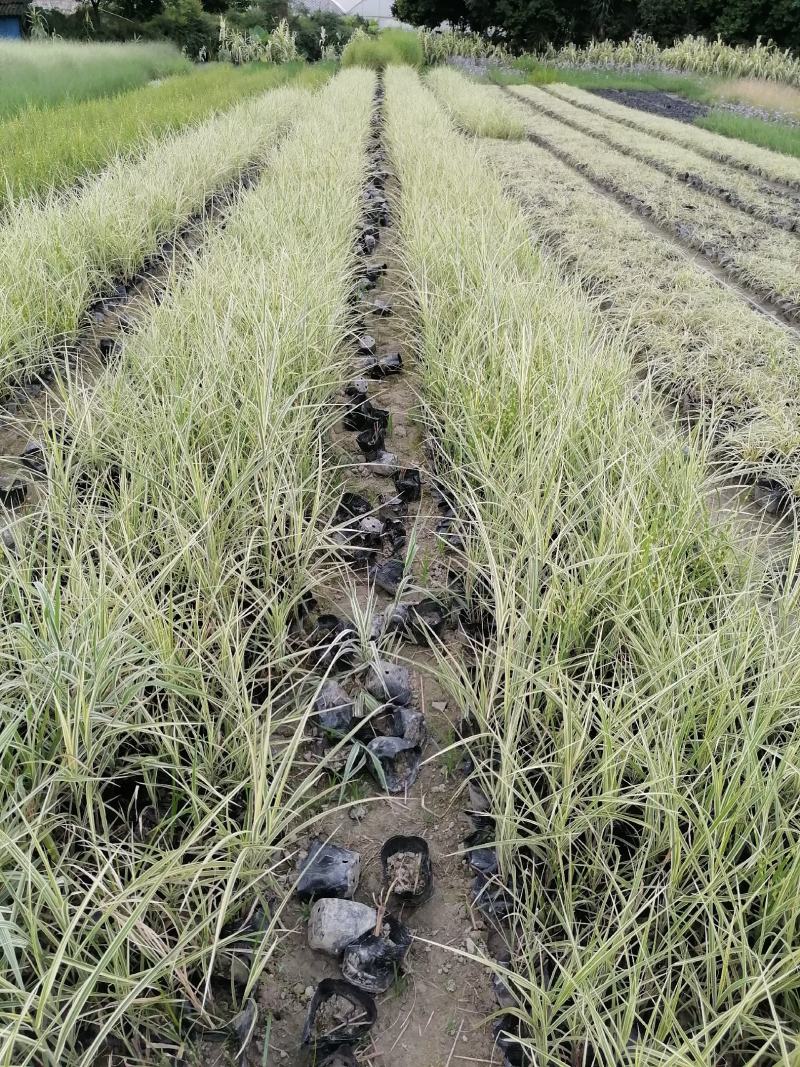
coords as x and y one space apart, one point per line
373 961
333 709
327 871
407 869
343 1056
408 484
339 1014
399 761
332 641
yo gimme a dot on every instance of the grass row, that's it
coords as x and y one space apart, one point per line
765 259
475 108
42 150
732 185
770 135
390 46
748 157
698 340
152 714
43 73
638 712
56 256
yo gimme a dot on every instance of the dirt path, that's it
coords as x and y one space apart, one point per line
433 1015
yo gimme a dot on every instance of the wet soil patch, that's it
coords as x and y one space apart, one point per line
656 103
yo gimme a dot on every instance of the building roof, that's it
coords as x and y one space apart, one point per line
66 7
10 9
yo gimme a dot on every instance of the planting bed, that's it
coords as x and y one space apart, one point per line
780 208
726 363
378 687
770 165
46 150
764 259
55 258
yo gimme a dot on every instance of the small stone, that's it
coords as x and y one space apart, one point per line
439 705
358 813
334 923
470 946
298 989
451 986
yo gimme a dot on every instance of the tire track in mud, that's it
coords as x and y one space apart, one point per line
112 314
726 196
433 1014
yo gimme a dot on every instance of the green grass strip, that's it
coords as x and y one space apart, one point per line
772 135
48 73
44 150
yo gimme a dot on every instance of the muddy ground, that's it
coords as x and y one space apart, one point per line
667 105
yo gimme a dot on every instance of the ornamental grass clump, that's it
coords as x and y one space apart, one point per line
153 711
636 708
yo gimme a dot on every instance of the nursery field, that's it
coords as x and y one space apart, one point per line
382 682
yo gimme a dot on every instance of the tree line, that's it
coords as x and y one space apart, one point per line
529 25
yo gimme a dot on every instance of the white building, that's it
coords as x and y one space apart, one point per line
378 10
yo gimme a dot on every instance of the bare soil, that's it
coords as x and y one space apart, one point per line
655 102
